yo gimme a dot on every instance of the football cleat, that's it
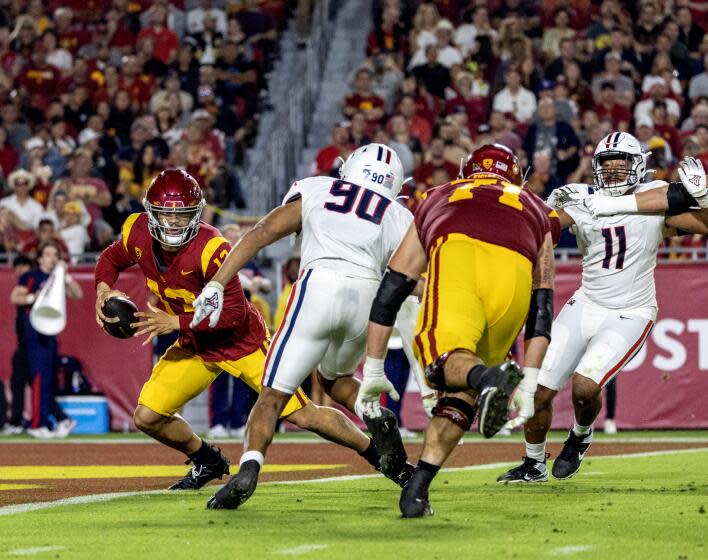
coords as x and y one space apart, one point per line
494 398
530 470
201 473
414 497
237 490
392 454
571 456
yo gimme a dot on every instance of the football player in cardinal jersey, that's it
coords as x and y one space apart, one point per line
487 245
350 227
608 319
178 255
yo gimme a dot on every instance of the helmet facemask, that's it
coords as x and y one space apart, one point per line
173 226
617 172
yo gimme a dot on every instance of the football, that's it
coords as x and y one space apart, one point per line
122 308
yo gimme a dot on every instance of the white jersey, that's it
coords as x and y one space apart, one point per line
348 228
619 256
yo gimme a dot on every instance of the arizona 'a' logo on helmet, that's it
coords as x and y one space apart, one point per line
174 203
494 158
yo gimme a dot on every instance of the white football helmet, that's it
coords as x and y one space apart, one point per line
619 146
376 167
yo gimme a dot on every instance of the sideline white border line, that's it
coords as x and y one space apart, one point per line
509 441
92 498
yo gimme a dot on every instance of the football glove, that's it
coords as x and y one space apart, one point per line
522 400
372 385
565 196
209 304
693 178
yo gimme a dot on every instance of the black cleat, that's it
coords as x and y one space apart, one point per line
201 473
238 489
414 497
392 454
530 470
571 456
494 397
403 476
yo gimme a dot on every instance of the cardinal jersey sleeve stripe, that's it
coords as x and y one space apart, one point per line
127 228
208 252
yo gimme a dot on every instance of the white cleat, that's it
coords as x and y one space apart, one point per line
64 428
218 432
610 427
41 433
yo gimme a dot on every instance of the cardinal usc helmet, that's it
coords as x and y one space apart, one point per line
494 158
174 203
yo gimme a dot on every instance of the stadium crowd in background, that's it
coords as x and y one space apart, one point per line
548 79
97 97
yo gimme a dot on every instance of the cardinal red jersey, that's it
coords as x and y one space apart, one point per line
178 278
487 208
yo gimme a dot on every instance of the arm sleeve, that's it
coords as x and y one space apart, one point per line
113 260
678 199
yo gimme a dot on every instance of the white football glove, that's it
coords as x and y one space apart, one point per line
565 196
693 177
372 385
522 400
209 304
430 400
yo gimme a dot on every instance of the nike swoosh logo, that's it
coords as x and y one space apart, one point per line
185 273
581 456
623 317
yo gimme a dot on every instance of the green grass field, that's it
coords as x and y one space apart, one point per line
616 507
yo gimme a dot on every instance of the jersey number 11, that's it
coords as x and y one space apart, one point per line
609 246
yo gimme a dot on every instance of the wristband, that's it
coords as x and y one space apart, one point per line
625 204
373 366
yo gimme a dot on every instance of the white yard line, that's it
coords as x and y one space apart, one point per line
35 550
571 549
23 508
302 549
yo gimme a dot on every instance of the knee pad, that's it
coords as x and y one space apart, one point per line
435 373
459 412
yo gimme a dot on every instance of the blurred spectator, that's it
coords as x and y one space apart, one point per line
514 98
9 157
208 39
555 136
463 96
552 36
91 191
196 16
607 106
418 126
72 232
46 232
690 34
568 55
658 91
564 108
424 24
24 212
430 73
170 93
405 145
467 34
699 116
698 86
434 159
647 27
164 39
624 87
326 161
364 99
541 180
357 130
388 38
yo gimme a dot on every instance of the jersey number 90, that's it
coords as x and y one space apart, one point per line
367 205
